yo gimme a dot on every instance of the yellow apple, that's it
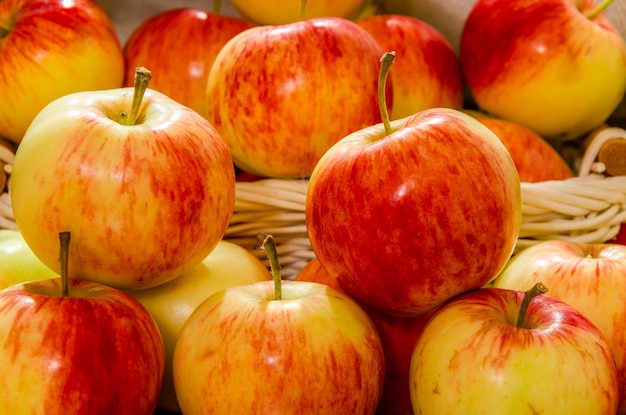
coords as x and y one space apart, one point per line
274 12
17 262
171 303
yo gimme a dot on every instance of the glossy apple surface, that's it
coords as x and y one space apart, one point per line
282 95
96 351
17 262
590 277
472 358
50 48
144 203
426 72
179 46
172 303
241 347
277 12
410 219
544 64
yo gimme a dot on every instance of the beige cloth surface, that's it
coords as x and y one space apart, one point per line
446 15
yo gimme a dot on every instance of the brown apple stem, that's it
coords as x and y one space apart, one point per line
385 65
142 78
302 9
537 289
217 6
592 14
64 241
269 245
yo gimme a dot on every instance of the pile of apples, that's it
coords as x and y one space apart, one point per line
119 295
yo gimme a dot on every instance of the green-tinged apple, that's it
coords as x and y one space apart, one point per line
497 351
172 303
398 336
427 72
535 159
280 96
145 185
50 48
412 212
589 277
289 347
70 346
17 262
278 12
179 46
555 66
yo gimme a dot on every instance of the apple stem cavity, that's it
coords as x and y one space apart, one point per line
64 242
593 13
385 65
269 246
537 289
142 78
217 6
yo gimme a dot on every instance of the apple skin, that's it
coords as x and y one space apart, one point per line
278 12
96 351
471 358
179 46
436 204
172 303
240 347
426 72
620 238
143 203
544 64
53 48
273 90
18 263
535 159
589 277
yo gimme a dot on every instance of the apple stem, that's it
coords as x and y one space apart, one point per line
593 13
269 245
302 9
142 78
537 289
64 241
217 6
385 65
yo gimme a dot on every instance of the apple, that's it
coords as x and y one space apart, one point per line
70 346
497 351
555 66
410 213
278 12
17 262
280 96
620 238
535 159
179 46
589 277
145 185
50 48
173 302
426 73
289 347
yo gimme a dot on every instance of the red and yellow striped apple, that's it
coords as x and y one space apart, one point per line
554 66
50 48
282 95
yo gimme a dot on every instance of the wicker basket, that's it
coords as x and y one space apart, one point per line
588 208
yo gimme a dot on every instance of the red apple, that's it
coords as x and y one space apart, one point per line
589 277
71 346
620 238
145 199
50 48
410 217
555 66
179 46
535 159
485 352
426 73
269 347
282 95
